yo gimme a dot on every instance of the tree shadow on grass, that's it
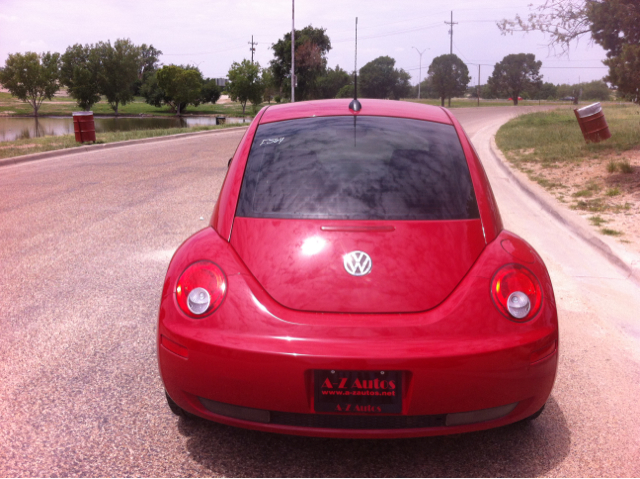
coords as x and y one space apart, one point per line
526 449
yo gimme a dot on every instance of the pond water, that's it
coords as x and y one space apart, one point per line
24 128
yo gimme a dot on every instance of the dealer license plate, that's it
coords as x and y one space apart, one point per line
358 391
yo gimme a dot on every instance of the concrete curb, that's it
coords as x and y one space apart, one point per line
88 148
573 221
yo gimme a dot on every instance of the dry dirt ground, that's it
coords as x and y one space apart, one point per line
609 200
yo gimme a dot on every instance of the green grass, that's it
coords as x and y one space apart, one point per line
544 182
597 220
473 102
64 106
555 137
595 205
625 167
9 149
590 189
613 191
610 232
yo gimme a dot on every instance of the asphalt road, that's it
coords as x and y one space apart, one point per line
86 240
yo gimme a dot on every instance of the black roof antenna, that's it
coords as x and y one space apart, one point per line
355 104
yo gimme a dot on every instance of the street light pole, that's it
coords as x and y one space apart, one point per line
293 51
420 74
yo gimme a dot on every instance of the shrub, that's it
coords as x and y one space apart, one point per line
625 166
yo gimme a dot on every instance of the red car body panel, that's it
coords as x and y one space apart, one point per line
285 315
299 262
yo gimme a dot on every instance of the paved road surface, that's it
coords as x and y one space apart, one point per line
86 240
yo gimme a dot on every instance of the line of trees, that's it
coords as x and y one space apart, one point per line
88 72
377 79
117 71
596 90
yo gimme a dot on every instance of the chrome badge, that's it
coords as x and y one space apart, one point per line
357 263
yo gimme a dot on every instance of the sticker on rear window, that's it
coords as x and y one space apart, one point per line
272 141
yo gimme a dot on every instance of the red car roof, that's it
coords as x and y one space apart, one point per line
398 109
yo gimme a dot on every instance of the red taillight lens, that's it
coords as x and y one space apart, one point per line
201 289
516 292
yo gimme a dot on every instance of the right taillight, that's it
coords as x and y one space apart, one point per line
516 292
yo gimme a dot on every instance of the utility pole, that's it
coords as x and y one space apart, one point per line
293 51
478 92
420 74
253 49
451 24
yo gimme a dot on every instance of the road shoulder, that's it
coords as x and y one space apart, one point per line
622 257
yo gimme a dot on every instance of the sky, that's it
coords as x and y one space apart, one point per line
214 33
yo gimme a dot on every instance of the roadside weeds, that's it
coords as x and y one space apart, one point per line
600 182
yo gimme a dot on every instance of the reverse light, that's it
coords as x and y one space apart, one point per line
516 292
201 289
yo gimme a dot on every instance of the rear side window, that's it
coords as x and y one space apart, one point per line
357 168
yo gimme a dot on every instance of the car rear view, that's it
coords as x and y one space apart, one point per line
356 282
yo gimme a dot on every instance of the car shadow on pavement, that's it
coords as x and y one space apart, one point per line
525 449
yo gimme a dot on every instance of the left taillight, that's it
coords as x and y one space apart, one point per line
516 292
201 289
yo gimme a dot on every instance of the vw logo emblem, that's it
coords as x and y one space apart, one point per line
357 263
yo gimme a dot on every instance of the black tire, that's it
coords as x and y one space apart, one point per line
177 410
535 415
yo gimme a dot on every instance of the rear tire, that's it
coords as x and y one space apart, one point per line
177 410
535 415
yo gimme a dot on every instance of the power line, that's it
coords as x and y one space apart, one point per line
397 32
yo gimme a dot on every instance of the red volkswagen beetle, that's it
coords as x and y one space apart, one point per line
356 281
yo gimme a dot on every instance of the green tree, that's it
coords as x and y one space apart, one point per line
118 72
548 91
596 90
31 78
332 82
147 66
402 87
449 77
312 46
151 91
79 73
245 83
181 86
426 89
210 92
569 91
379 79
614 24
148 61
515 74
268 81
345 92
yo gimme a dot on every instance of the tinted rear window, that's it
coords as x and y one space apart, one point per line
357 168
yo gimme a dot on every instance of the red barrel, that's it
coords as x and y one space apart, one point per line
84 126
592 123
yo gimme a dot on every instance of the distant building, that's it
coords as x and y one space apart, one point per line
221 81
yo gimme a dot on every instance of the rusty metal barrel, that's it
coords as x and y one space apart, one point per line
592 123
84 126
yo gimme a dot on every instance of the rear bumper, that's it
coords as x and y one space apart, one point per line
442 394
